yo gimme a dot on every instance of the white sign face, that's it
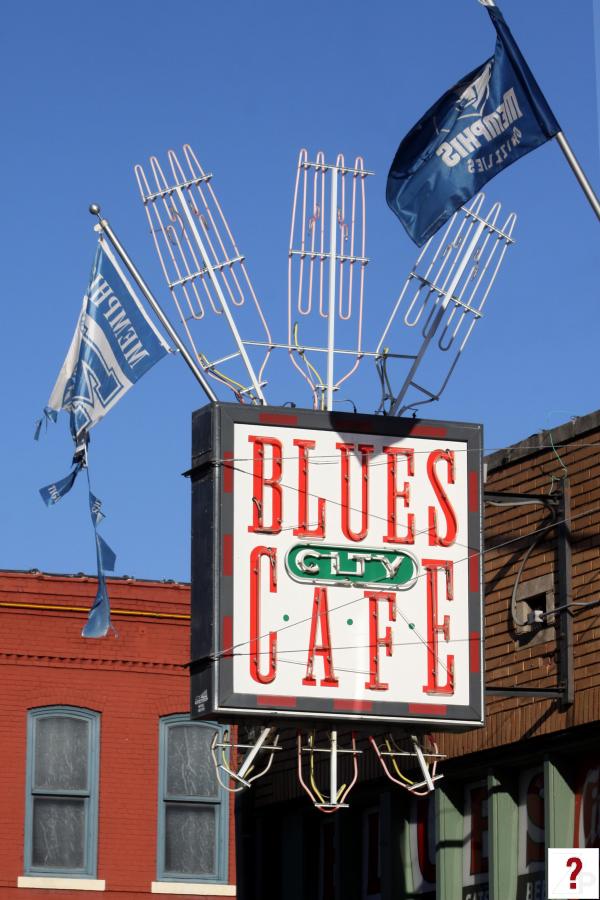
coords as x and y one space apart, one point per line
352 570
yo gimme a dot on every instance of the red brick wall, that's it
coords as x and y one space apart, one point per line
132 680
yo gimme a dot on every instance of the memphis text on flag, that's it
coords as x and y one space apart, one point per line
102 297
115 343
489 119
481 132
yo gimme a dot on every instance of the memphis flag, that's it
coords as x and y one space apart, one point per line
114 344
491 118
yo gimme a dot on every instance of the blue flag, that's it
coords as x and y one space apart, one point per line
52 493
98 623
491 118
114 344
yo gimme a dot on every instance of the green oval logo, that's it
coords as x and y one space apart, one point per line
394 570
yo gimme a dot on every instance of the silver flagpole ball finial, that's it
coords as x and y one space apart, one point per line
94 209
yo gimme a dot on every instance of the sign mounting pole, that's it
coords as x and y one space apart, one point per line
106 228
572 160
578 172
449 294
333 771
332 268
220 295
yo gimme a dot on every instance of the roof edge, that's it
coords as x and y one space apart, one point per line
543 440
85 577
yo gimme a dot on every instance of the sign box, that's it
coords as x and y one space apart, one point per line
336 567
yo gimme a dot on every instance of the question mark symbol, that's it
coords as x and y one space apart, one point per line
577 867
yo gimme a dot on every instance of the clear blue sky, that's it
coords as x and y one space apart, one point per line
91 89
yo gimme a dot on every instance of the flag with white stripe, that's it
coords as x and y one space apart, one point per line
114 344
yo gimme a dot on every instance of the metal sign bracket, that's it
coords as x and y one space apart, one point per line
559 504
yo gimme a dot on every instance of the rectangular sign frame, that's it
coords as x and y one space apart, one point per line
216 551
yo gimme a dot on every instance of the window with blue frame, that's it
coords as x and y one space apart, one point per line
61 817
193 807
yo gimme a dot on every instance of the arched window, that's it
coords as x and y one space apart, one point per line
61 818
193 807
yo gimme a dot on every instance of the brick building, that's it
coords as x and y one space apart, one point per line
529 779
136 810
106 785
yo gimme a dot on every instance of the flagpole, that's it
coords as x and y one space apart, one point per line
579 173
564 145
198 375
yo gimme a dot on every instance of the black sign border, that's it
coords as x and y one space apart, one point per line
211 666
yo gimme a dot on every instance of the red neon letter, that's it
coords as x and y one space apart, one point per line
435 628
434 538
375 640
255 559
303 529
426 837
365 450
392 537
259 482
321 614
479 827
535 819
